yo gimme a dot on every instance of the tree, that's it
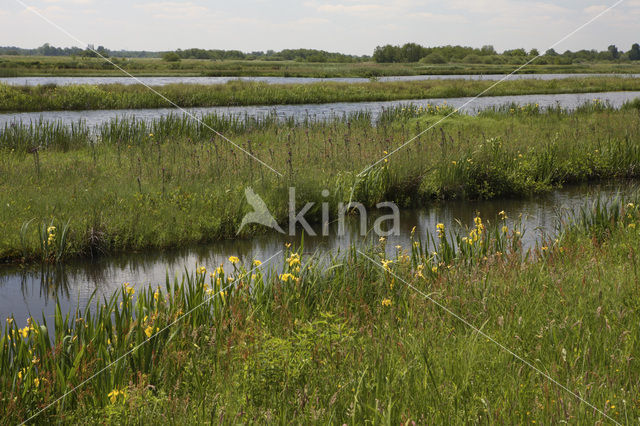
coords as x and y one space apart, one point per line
412 52
534 52
613 51
387 53
515 52
551 52
487 50
634 53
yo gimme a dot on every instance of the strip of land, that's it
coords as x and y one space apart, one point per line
117 96
24 66
137 186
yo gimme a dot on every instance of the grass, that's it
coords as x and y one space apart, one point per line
21 66
117 96
345 340
168 183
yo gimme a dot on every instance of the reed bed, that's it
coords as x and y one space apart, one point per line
126 189
117 96
19 66
346 339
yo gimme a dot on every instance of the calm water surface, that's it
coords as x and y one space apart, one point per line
322 111
161 81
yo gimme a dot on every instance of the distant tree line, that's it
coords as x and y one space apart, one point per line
412 52
48 50
304 55
409 52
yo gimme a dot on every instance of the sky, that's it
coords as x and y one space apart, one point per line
347 26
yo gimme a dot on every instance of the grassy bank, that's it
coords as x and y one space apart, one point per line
351 343
171 182
21 66
117 96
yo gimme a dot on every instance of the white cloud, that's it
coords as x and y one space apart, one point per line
355 9
595 9
175 10
440 17
69 1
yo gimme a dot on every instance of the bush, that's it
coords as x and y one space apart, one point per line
171 57
433 58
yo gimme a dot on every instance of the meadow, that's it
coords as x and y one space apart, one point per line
22 66
360 338
132 185
118 96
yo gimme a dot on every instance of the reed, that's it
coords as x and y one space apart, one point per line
345 339
170 183
233 93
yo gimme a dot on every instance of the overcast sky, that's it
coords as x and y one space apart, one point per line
348 26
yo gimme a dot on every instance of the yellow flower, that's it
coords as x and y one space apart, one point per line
294 259
148 331
386 302
150 135
257 263
24 332
51 230
234 259
286 277
505 229
36 383
156 295
386 263
128 289
113 395
434 269
219 270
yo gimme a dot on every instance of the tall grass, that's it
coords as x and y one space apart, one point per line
14 66
117 96
345 340
129 189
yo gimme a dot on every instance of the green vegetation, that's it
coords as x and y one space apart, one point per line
22 66
117 96
346 341
412 52
133 185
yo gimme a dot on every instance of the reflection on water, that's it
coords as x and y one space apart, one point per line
161 81
33 290
322 111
